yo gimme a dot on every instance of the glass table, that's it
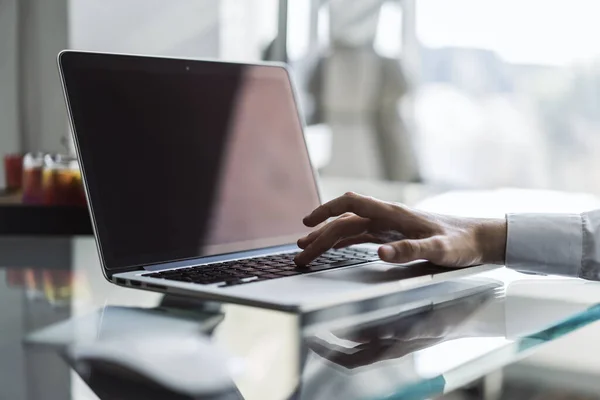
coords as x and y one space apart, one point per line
409 345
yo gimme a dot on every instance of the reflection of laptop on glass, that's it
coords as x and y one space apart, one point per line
197 177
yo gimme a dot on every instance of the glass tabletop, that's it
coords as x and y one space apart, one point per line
55 304
413 344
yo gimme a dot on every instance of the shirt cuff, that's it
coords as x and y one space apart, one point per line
549 244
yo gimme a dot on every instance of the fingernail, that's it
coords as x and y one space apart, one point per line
387 252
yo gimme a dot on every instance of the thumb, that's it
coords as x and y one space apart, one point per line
409 250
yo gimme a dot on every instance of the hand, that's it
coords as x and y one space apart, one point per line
407 234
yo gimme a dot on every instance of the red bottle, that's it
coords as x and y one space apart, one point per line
13 169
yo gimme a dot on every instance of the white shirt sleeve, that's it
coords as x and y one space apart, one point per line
554 244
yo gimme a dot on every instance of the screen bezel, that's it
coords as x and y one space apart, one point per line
68 58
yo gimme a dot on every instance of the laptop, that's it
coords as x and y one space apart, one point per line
197 177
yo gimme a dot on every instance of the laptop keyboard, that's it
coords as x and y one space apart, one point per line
258 269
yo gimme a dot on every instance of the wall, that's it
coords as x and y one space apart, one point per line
8 80
32 115
42 34
186 28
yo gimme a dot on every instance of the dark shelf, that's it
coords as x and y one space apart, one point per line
20 219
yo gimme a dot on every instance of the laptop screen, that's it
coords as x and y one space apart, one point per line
184 159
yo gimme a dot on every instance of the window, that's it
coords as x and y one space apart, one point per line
509 93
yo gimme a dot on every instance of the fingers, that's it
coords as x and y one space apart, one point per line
362 206
308 239
333 233
303 242
403 251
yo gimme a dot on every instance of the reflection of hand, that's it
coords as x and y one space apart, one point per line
371 352
436 321
408 234
401 335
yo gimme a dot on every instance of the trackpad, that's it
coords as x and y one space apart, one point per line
381 272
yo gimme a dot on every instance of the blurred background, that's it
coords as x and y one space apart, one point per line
461 93
456 94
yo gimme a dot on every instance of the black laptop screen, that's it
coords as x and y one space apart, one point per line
184 159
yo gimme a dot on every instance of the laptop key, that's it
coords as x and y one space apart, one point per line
242 275
181 279
264 267
319 263
271 270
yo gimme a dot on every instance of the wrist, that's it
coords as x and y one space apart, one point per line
490 236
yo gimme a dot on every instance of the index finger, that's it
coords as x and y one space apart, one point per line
366 207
